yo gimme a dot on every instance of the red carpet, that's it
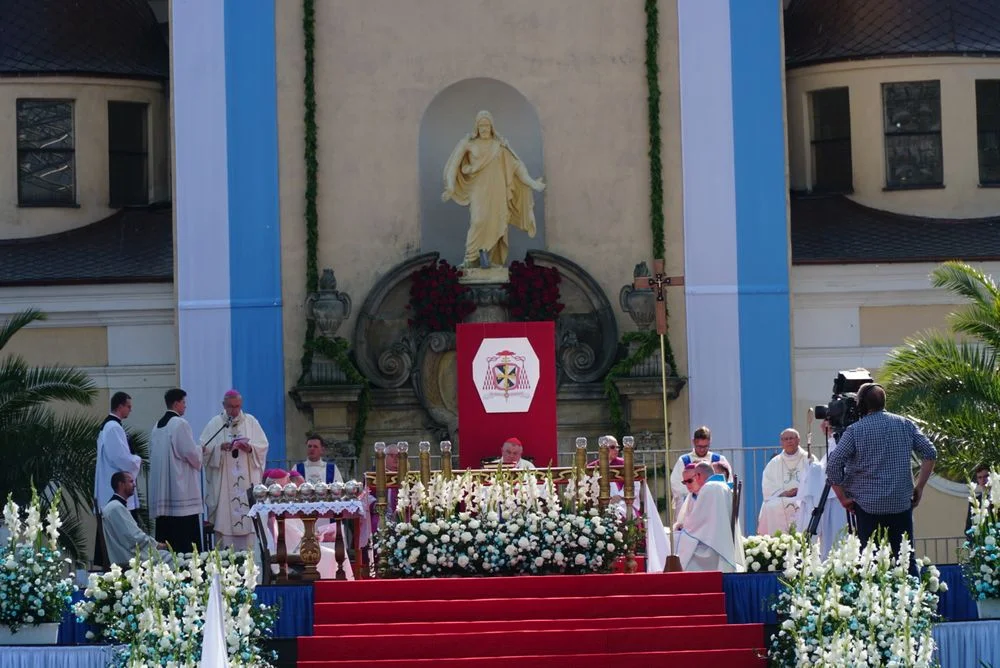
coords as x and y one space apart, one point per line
575 621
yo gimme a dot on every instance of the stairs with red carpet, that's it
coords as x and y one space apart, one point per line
675 619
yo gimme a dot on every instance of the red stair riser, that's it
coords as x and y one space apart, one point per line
615 622
528 587
508 608
531 643
702 658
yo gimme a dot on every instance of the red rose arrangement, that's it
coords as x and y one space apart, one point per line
533 291
438 301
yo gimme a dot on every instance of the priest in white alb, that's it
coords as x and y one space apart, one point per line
706 540
235 451
833 521
783 476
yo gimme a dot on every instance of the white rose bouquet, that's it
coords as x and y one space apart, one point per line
860 607
766 554
980 554
35 581
156 609
515 525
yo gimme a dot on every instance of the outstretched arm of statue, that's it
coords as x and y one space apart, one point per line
522 173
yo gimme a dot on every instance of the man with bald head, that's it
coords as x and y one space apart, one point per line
234 448
870 473
706 540
781 480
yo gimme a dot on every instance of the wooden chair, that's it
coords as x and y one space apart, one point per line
266 558
737 498
101 560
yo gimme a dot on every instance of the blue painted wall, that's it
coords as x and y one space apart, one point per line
761 230
254 234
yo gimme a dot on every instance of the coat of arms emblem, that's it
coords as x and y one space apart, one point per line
506 373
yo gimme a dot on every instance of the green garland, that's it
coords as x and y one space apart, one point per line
312 169
338 350
653 104
648 340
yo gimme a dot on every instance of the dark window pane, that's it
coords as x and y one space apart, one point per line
46 177
128 161
912 106
988 126
831 114
913 160
128 179
46 163
831 140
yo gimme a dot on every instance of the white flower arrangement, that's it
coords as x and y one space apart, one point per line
35 581
156 609
980 554
766 554
860 607
514 525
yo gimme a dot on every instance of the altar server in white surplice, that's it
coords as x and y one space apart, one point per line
783 476
833 521
705 541
235 450
175 477
113 453
123 536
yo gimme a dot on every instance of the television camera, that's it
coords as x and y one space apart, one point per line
840 413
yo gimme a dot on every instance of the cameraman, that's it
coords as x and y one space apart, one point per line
869 470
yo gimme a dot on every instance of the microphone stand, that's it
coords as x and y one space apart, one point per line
228 423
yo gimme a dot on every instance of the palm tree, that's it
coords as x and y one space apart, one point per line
43 448
950 382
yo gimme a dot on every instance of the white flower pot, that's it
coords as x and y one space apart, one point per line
989 608
31 634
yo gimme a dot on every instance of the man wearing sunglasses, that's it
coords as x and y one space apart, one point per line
705 541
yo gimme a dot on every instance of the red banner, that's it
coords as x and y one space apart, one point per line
506 387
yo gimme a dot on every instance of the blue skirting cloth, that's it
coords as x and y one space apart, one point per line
750 597
94 656
295 614
968 644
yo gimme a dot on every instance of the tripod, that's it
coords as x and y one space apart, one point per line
817 512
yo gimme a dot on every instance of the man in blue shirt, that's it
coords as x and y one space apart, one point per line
869 470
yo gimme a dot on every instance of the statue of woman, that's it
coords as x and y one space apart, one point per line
486 175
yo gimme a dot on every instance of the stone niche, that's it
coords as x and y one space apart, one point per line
413 374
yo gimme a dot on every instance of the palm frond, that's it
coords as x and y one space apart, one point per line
937 368
966 281
17 322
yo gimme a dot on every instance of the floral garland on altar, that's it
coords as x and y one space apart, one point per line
980 555
859 607
512 526
155 609
35 584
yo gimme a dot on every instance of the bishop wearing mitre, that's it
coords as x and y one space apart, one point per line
234 448
783 476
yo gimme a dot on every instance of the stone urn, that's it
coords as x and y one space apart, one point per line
639 303
328 307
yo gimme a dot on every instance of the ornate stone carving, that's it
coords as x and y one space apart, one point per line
328 307
639 303
587 332
384 347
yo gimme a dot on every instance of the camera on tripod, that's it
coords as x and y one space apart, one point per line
842 411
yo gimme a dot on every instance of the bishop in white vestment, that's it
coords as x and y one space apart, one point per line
783 476
235 450
705 541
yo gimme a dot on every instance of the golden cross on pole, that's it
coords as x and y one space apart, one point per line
658 281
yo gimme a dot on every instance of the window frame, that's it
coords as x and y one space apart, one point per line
828 141
995 182
887 136
113 201
20 152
